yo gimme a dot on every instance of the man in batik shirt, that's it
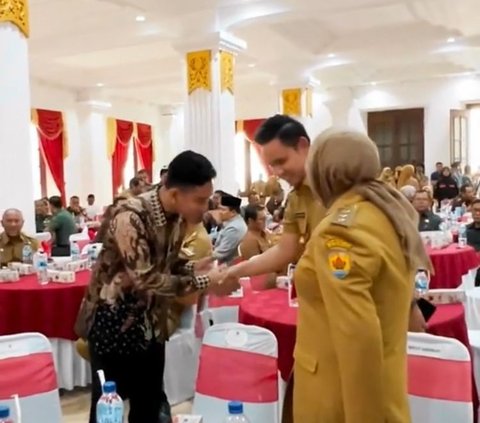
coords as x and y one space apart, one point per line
137 277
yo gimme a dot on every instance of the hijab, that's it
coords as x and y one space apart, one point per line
333 170
406 174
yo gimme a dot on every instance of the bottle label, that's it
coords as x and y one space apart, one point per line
109 413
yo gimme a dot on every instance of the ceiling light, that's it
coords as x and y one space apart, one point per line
450 40
100 84
373 83
331 55
140 18
251 65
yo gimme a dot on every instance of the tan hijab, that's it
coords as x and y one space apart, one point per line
333 170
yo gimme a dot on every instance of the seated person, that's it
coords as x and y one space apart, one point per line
429 221
253 200
465 199
42 215
61 226
76 210
12 240
473 232
92 210
256 240
234 229
408 191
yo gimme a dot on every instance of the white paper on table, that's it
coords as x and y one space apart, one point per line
187 418
237 294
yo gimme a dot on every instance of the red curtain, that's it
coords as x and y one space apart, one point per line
250 127
144 146
120 155
51 134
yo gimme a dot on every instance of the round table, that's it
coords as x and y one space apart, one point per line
269 309
451 264
26 306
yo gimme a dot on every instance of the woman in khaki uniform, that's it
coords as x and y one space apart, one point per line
355 286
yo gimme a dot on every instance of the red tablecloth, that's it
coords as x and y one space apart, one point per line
26 306
269 309
451 264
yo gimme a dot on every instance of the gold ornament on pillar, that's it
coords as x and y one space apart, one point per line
292 102
226 71
199 71
15 12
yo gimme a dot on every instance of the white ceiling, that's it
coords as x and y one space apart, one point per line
81 43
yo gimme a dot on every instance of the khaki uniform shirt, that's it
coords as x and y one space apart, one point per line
12 248
354 289
254 244
303 213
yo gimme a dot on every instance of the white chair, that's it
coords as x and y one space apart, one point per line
181 360
238 362
27 370
43 236
439 380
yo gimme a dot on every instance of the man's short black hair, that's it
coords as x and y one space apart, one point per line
91 196
74 197
189 170
284 128
219 192
135 182
251 212
163 170
56 201
463 188
142 171
439 163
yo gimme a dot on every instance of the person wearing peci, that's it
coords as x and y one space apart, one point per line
234 229
137 277
12 239
355 288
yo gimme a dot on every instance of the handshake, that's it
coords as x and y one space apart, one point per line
223 280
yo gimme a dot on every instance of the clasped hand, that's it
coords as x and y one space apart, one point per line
223 280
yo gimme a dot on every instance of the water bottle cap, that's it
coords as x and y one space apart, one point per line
4 412
235 407
109 387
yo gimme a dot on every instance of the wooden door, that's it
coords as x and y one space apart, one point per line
399 135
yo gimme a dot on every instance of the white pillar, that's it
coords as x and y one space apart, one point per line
300 98
16 165
344 110
96 166
210 106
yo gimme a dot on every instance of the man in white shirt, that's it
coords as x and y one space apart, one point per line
92 209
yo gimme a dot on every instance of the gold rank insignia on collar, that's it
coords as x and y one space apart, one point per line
344 216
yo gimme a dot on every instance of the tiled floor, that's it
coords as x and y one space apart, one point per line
76 406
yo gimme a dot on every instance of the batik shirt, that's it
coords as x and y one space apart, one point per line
140 260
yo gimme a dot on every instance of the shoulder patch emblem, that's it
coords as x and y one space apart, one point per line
344 216
339 260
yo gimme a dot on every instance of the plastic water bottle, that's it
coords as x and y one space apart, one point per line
5 414
110 405
41 266
462 236
74 251
92 256
27 253
421 283
235 413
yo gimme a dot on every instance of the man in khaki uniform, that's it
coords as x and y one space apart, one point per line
285 145
12 240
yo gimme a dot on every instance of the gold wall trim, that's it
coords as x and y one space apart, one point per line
292 102
16 12
227 65
199 70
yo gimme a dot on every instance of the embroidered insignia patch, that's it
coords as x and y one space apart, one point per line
339 263
337 243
